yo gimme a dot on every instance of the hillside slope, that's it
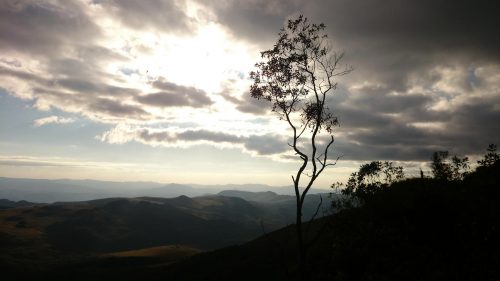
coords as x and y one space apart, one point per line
413 230
418 229
41 236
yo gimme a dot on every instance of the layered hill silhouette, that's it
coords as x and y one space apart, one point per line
43 235
417 229
65 190
5 203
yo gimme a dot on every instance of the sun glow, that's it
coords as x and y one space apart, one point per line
205 60
209 58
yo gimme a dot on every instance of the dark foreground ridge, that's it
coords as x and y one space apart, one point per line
417 229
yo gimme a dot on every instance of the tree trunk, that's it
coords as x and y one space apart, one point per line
301 244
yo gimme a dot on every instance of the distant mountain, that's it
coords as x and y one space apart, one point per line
262 196
49 191
284 206
280 190
119 224
49 232
4 204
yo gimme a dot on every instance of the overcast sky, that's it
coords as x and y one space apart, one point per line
158 90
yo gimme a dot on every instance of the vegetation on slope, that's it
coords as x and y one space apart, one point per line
414 229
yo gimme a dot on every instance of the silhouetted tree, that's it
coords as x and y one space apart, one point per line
371 178
296 76
460 168
490 157
442 169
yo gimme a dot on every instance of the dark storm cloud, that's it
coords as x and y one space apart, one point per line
399 25
259 144
473 120
467 130
255 20
42 28
385 102
389 41
156 14
377 108
262 145
175 95
395 47
386 39
371 152
413 25
189 136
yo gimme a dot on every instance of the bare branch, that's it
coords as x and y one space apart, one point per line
317 208
314 216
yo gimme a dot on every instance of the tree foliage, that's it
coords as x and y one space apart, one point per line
449 170
491 157
372 177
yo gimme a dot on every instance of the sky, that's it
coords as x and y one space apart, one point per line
158 90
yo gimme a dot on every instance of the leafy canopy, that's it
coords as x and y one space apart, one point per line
297 74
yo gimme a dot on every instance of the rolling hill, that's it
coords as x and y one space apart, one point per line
418 229
40 236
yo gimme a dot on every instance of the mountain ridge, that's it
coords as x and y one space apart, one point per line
49 191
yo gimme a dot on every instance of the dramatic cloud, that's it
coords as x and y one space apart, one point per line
414 26
419 67
256 20
44 27
255 144
41 162
446 110
152 14
175 73
175 95
247 104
